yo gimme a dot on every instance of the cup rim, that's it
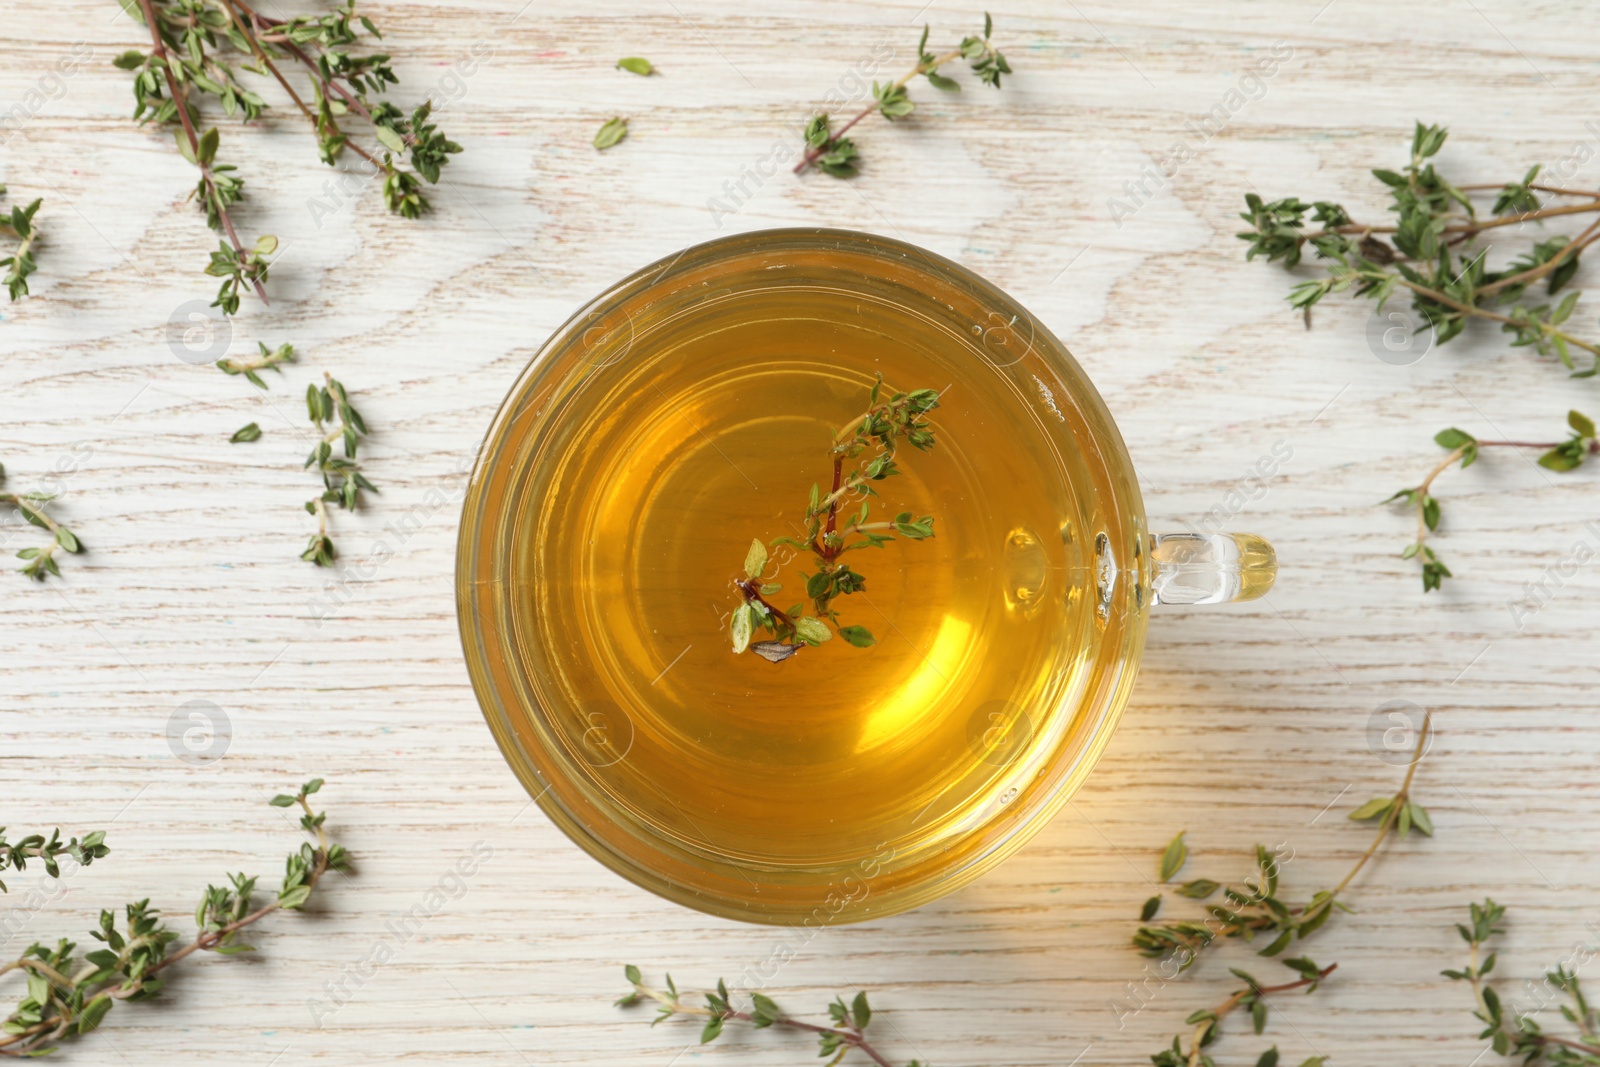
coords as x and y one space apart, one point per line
476 539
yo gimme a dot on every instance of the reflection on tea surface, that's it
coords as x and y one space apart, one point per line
701 432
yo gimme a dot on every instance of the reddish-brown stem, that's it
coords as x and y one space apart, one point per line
751 588
813 154
1238 998
833 508
1594 446
1553 190
266 62
1421 492
330 85
1494 316
181 103
1233 1001
1475 226
1568 250
205 940
850 1036
1546 1039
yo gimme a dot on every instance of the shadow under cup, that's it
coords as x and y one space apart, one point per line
598 540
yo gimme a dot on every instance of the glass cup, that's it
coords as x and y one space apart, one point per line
569 754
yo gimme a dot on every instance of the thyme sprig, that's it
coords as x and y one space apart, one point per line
40 562
194 45
1521 1036
1435 251
835 154
1254 907
830 532
342 480
68 996
1558 456
267 359
849 1029
1253 998
20 263
14 855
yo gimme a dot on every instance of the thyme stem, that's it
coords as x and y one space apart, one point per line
901 82
181 105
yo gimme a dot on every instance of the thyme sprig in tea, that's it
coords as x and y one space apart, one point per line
1558 456
831 531
848 1032
835 154
68 996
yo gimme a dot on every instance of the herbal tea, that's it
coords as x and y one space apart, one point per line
967 642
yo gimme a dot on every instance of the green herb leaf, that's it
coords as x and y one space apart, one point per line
860 1011
859 636
1173 858
741 627
812 631
755 560
611 133
1375 808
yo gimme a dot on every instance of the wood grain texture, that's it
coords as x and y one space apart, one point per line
1248 721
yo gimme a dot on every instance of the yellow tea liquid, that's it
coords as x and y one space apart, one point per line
686 440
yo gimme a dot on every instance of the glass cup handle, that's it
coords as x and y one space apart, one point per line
1191 568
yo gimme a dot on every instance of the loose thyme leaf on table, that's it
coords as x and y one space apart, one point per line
879 430
835 154
39 563
67 997
848 1032
1558 456
193 46
1521 1036
1437 250
611 133
1172 860
20 263
342 480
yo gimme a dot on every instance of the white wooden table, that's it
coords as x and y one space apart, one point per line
1248 722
